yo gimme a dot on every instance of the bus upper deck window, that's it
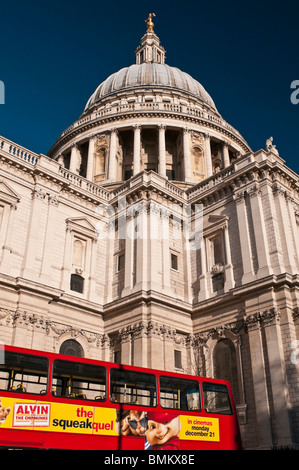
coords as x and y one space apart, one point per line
134 388
216 398
179 394
78 380
24 373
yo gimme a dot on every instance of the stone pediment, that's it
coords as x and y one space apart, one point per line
7 194
214 222
82 226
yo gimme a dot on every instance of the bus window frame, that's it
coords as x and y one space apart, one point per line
206 382
82 363
122 369
186 380
20 390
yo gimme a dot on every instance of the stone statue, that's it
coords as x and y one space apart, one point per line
150 24
270 147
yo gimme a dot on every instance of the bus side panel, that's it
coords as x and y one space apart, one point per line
44 440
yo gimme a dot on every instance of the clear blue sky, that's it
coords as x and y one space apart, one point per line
54 54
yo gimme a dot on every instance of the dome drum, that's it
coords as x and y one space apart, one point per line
176 152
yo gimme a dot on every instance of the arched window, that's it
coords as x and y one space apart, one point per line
71 347
225 364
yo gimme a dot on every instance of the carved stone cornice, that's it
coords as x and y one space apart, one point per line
252 322
261 319
270 317
200 339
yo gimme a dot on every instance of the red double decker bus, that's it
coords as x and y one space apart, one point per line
52 401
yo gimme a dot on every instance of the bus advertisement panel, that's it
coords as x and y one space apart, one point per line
161 430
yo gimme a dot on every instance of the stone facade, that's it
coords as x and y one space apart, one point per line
100 244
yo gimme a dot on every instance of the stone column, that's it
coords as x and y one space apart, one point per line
165 251
203 293
126 346
45 272
90 158
139 338
137 148
187 155
208 155
112 165
141 249
259 382
259 232
66 270
75 161
248 274
129 255
7 227
226 161
286 233
291 208
228 268
162 151
92 294
39 202
270 322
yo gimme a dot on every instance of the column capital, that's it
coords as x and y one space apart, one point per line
162 127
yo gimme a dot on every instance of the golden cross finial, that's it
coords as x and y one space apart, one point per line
150 24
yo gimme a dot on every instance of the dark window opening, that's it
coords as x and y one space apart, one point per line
218 282
121 263
117 357
77 283
177 359
174 261
170 174
128 174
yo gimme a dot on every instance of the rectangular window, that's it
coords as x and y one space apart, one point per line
170 174
174 261
133 388
179 394
78 380
121 262
77 283
117 357
216 399
178 359
23 373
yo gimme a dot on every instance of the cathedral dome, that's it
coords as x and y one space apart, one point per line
150 74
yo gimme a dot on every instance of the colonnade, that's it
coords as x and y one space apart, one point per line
111 165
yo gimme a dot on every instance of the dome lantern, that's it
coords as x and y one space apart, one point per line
150 50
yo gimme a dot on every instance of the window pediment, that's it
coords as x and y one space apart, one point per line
7 194
82 226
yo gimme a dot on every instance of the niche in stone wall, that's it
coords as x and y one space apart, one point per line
101 159
198 166
225 364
